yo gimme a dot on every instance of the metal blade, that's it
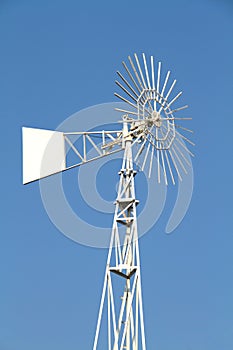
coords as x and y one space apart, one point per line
178 109
168 94
131 77
169 167
164 86
158 82
185 129
128 84
140 70
173 100
124 99
126 91
179 160
158 165
182 155
151 161
185 138
146 69
175 165
184 146
153 77
125 111
164 169
135 72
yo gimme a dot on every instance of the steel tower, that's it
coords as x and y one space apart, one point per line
124 260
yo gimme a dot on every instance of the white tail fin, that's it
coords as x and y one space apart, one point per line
43 153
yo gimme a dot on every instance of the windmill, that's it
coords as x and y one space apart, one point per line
148 136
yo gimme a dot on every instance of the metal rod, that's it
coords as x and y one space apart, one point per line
158 164
177 109
179 160
74 149
175 165
184 146
168 94
109 321
94 145
131 77
127 83
125 111
124 99
181 127
135 72
181 153
153 77
169 167
125 90
186 139
112 304
173 100
151 161
164 169
164 86
140 70
130 301
158 79
146 69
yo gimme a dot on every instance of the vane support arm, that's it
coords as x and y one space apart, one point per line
47 152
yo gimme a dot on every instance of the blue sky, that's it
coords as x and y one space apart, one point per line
58 57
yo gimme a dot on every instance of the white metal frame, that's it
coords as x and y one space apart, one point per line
155 130
125 327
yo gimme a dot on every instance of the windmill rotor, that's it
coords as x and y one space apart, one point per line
155 118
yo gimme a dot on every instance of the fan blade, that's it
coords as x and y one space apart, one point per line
124 99
184 146
153 77
140 70
169 167
141 82
178 109
151 160
135 72
185 129
175 165
158 83
158 165
125 90
164 86
179 160
127 83
168 94
164 169
125 111
186 139
173 100
131 77
182 155
146 69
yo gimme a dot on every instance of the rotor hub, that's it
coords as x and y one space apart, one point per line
157 119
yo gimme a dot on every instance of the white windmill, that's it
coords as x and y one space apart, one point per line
150 125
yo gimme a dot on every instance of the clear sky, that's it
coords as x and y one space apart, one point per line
58 57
